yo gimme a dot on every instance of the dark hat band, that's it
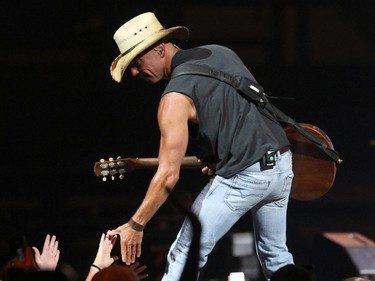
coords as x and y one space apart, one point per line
131 49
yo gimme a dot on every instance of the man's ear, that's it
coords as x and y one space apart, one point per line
160 50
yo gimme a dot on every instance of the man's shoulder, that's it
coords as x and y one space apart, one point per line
214 48
200 53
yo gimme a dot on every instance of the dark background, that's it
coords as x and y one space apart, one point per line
61 112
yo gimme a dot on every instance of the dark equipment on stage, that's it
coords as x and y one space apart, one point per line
342 255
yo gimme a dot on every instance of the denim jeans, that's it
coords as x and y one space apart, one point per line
225 200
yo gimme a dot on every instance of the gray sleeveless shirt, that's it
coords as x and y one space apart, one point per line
230 127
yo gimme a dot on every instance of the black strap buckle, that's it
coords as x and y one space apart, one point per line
269 158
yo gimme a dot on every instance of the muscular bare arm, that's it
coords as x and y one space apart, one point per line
173 114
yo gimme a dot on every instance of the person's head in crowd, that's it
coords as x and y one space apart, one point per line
116 272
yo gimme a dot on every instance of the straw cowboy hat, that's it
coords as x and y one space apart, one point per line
137 35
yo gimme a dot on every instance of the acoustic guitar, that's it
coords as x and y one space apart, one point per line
314 171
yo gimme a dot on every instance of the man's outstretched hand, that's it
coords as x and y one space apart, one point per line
131 242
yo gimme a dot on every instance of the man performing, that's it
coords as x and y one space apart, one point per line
231 129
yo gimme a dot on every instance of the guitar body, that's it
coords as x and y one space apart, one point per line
314 171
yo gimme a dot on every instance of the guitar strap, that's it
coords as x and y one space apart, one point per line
255 92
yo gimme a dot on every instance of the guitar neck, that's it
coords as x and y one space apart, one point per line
121 166
187 162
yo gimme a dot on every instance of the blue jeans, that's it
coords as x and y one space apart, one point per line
222 203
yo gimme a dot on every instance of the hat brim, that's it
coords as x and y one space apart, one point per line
121 62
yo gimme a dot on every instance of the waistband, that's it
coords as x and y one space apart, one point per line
283 149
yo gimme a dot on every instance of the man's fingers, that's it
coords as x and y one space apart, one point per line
123 255
139 250
130 252
126 253
133 250
207 170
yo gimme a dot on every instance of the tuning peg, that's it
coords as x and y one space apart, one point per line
104 179
118 157
102 160
121 177
110 159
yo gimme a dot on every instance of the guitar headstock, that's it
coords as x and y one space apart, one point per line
112 168
120 166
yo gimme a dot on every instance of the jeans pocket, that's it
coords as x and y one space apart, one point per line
245 192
